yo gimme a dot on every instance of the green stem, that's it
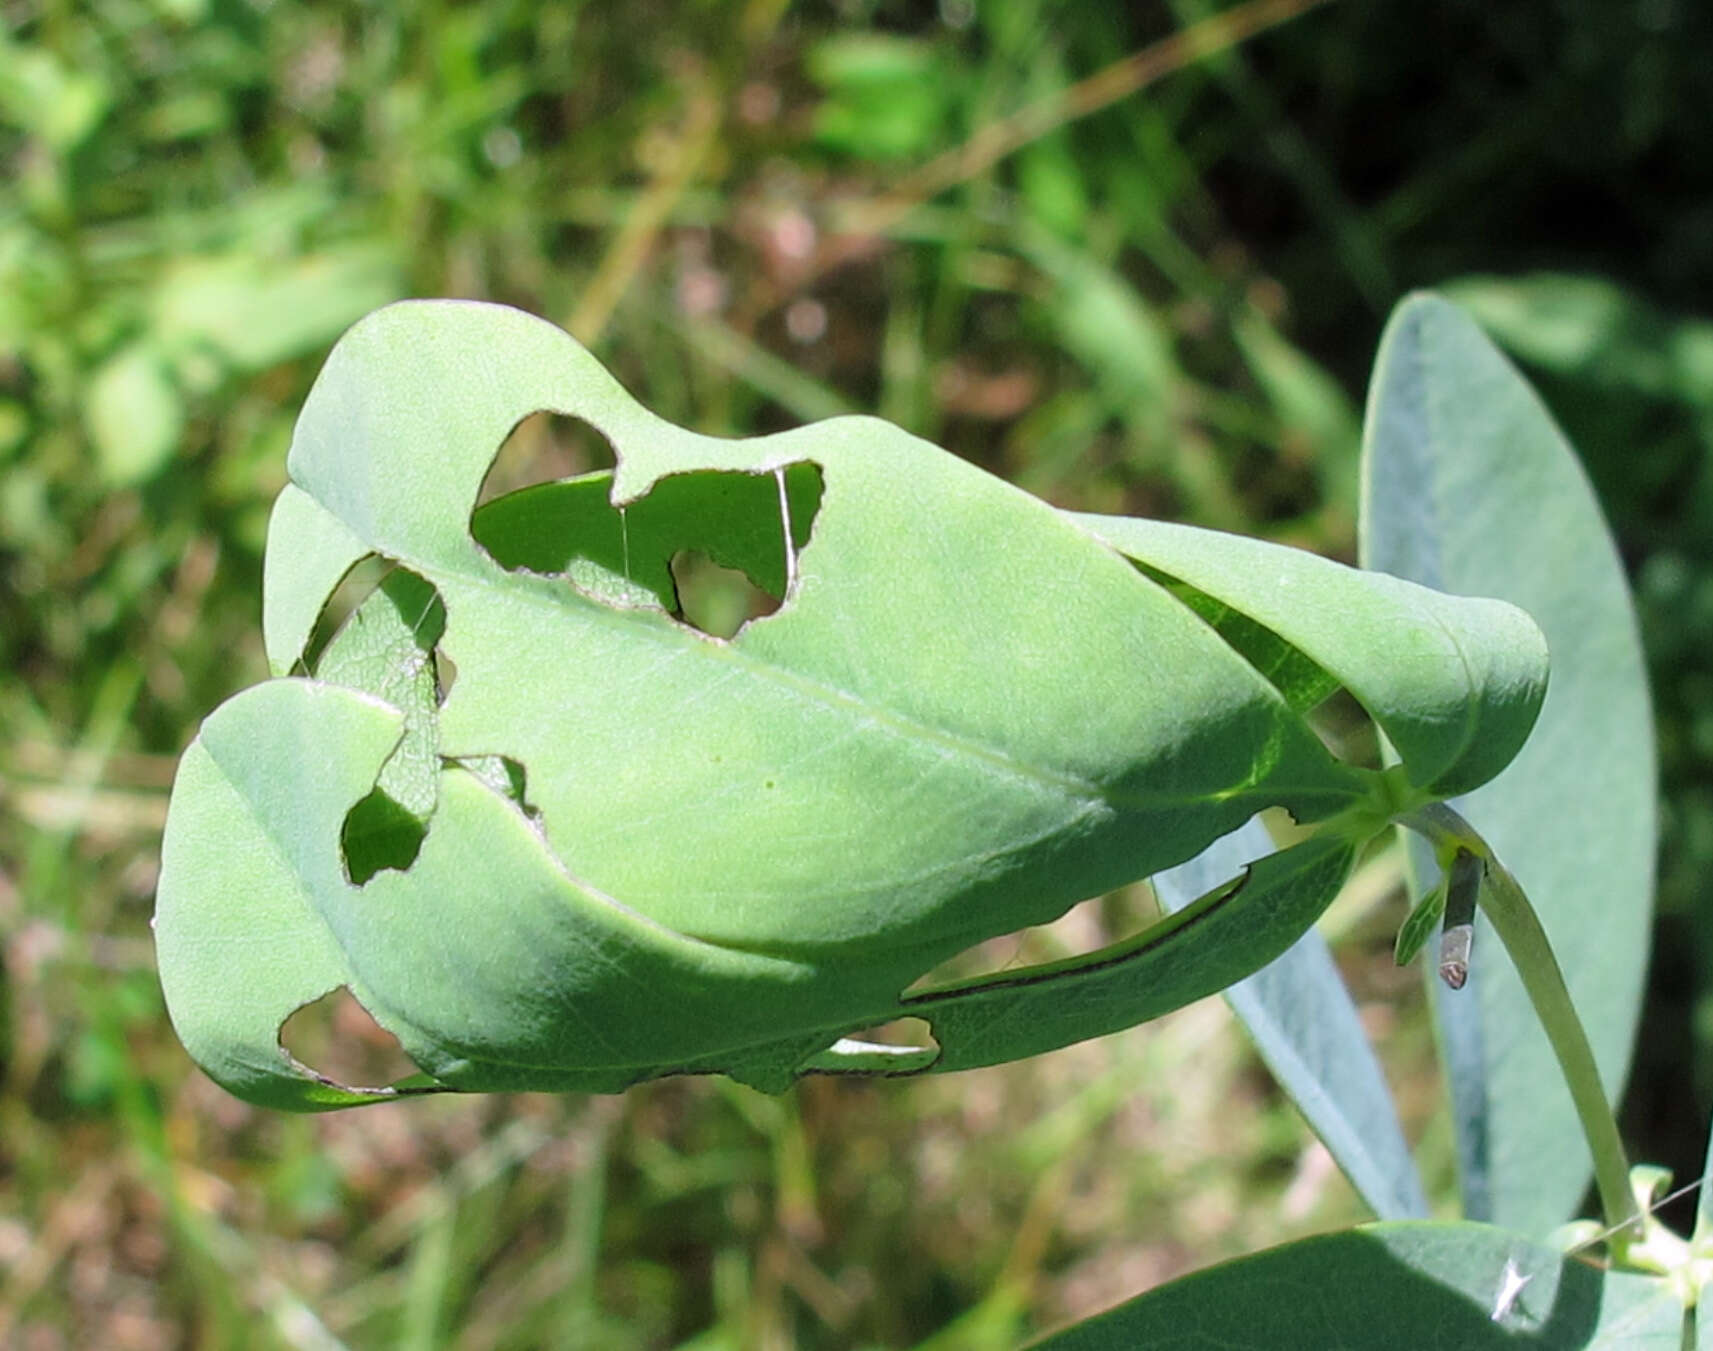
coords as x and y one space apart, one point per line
1519 929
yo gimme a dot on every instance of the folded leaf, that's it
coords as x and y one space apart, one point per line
1455 683
1199 951
589 843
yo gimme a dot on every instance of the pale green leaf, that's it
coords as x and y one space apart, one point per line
309 551
1306 1028
601 845
254 824
1455 683
1429 1287
933 740
1470 488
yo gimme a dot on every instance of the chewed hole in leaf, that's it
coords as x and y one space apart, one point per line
900 1032
387 647
355 587
902 1046
339 1041
379 833
1086 927
503 775
714 600
753 524
545 448
379 615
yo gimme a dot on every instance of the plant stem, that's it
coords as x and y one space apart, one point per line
1519 928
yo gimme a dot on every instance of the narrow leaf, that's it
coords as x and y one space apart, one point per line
1306 1028
1200 950
1415 931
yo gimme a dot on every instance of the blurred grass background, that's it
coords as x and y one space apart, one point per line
1135 258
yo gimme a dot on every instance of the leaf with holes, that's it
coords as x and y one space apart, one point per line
558 828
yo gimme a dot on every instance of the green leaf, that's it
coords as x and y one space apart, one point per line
1203 948
1470 488
239 941
1462 1286
1312 406
601 844
886 95
40 94
1306 1028
871 61
1419 926
734 854
1125 345
1454 683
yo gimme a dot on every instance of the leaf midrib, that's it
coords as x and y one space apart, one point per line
683 638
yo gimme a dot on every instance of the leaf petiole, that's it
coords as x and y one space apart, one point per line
1507 908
